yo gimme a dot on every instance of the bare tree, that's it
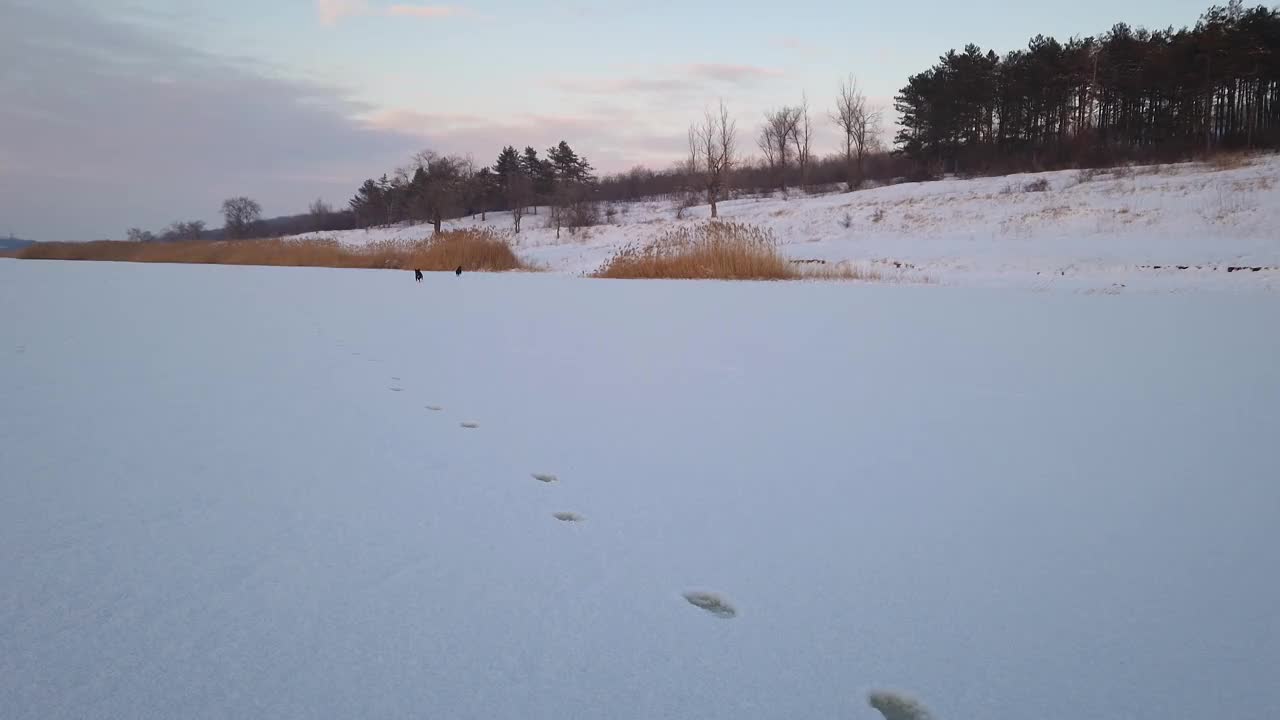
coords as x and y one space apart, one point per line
319 208
437 188
139 235
519 191
712 146
802 137
775 139
472 193
183 231
240 214
318 213
444 192
860 124
558 208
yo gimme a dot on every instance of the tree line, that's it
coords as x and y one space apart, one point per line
242 218
1129 94
435 187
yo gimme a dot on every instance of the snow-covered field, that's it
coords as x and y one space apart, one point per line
224 494
1099 234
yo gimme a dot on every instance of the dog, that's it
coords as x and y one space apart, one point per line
458 271
417 276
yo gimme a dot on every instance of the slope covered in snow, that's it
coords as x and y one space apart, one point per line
1086 231
232 492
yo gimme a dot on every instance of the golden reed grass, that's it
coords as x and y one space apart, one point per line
471 249
718 250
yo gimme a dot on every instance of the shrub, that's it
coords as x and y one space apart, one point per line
1037 185
1229 160
582 214
685 202
1087 175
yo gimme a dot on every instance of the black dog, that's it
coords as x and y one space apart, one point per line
458 271
417 275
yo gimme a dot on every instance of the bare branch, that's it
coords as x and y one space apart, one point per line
711 153
775 140
860 125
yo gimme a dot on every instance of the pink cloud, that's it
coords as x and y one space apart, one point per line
736 74
801 46
331 11
425 11
607 136
671 82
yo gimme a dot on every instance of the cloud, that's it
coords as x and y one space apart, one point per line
612 137
425 11
674 83
802 47
331 11
733 74
104 126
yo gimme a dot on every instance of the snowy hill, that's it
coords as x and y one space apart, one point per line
1090 231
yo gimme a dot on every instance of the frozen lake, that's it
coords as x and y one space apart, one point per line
247 492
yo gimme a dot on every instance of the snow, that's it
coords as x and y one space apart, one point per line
1008 504
1089 235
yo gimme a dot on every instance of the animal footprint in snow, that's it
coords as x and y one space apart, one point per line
395 379
569 517
470 425
434 408
712 603
396 389
545 478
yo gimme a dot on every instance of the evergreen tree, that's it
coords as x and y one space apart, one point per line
508 162
568 165
1127 94
485 190
530 162
419 196
544 178
367 205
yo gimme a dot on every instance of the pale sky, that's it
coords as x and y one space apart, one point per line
120 113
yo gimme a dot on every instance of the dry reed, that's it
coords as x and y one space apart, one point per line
470 249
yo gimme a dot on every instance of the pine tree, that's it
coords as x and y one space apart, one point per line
564 160
487 187
418 190
530 162
507 167
367 205
531 166
544 178
508 162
